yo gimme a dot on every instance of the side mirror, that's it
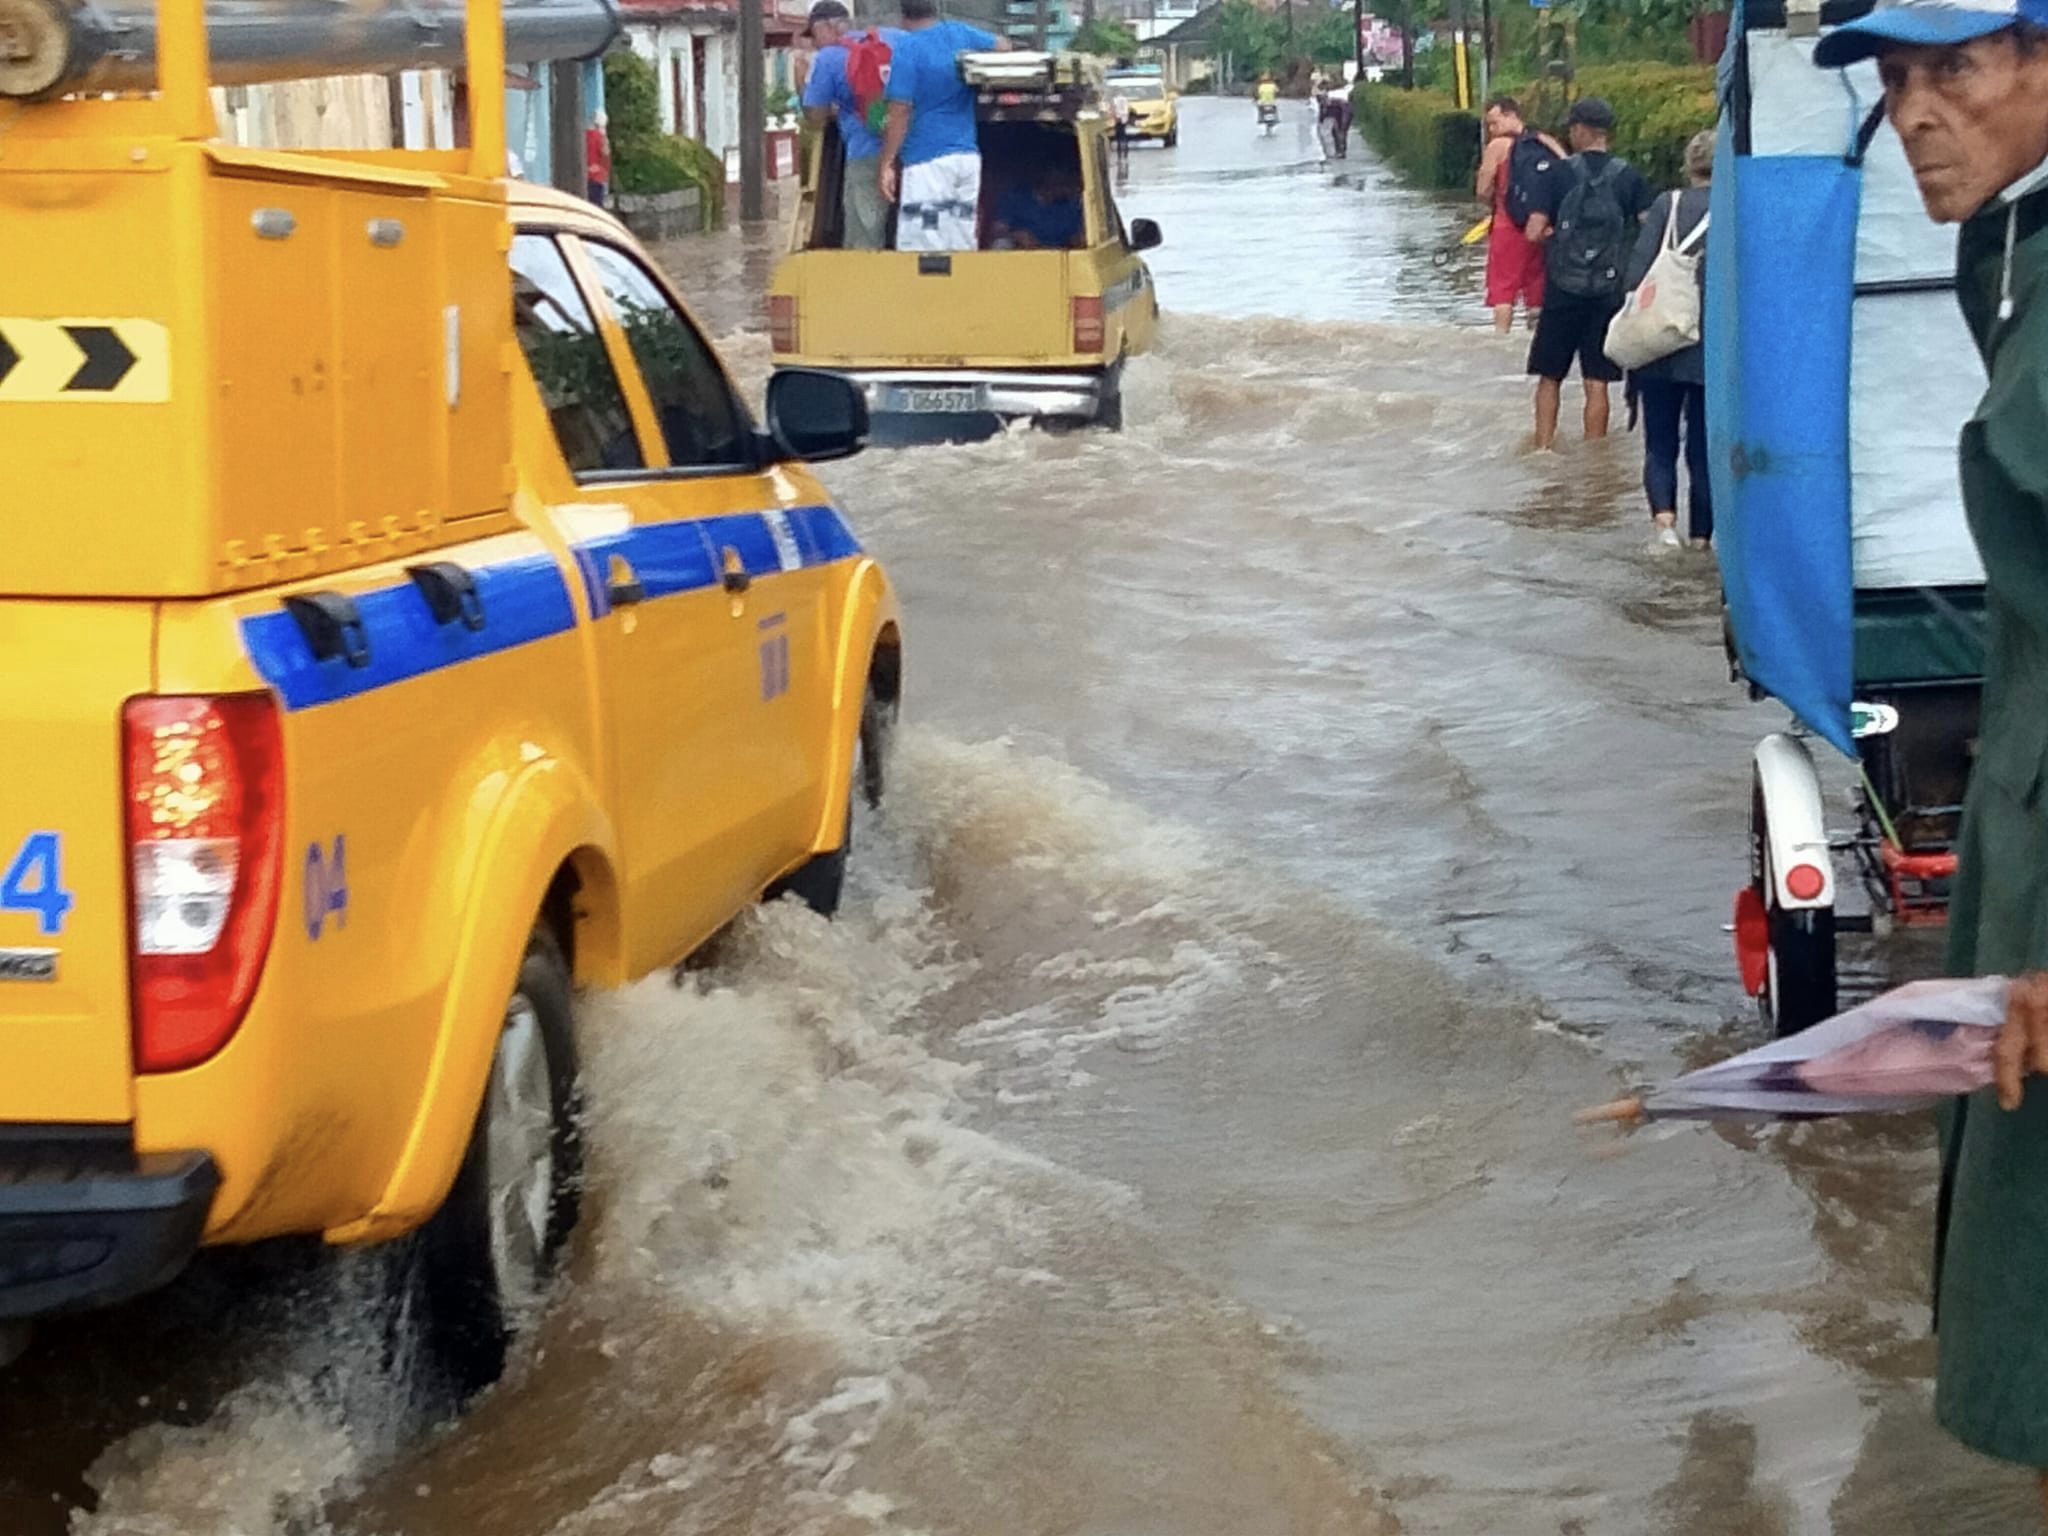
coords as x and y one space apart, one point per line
1145 235
814 415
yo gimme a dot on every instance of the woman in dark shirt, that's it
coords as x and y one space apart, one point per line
1673 390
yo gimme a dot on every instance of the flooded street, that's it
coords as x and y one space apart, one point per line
1307 799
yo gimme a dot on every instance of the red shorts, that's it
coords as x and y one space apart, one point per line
1514 267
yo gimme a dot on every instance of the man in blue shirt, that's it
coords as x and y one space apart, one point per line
931 129
830 93
1042 215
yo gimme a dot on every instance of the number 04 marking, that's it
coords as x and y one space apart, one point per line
34 881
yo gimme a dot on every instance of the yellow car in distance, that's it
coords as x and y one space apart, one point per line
1155 111
406 623
953 343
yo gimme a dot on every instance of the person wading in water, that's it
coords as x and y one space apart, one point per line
1966 87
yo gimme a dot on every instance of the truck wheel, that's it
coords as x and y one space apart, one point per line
1799 983
821 882
485 1259
1109 410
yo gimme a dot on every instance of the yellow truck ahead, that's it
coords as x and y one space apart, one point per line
404 623
949 339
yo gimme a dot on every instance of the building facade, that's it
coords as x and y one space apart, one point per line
694 48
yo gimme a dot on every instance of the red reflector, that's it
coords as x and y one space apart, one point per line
205 817
782 332
1752 939
1805 881
1088 331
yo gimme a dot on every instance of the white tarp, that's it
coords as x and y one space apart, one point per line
1915 374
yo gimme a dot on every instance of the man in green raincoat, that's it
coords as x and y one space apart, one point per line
1966 88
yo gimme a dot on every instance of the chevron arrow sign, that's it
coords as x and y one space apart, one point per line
120 362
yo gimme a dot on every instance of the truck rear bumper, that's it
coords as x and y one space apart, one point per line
1073 396
85 1221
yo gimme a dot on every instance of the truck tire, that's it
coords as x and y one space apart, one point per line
1799 985
821 882
1109 409
483 1262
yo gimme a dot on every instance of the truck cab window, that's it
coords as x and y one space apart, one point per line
701 421
569 362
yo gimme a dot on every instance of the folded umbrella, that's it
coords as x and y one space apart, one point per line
1909 1049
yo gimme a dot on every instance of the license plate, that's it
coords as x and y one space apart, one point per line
922 401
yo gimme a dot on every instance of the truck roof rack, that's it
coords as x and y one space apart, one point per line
1051 87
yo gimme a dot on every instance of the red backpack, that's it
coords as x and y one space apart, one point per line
867 74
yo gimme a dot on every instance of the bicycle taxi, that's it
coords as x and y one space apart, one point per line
1840 376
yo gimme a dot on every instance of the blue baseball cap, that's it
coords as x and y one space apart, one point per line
1935 23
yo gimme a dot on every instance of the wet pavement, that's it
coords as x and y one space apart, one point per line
1311 798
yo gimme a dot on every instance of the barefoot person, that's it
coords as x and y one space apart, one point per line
1585 214
1514 264
1966 87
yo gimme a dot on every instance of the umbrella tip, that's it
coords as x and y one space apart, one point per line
1624 1111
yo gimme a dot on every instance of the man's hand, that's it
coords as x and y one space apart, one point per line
895 129
2022 1046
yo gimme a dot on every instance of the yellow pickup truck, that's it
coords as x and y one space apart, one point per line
954 342
405 624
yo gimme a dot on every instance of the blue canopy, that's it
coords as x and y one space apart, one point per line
1781 277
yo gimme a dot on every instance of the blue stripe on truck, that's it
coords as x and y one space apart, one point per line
526 599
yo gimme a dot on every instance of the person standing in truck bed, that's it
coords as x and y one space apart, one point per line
931 131
834 91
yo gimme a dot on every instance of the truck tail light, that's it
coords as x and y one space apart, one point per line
782 333
205 822
1088 324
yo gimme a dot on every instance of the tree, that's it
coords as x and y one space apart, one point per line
1327 36
1246 35
1109 36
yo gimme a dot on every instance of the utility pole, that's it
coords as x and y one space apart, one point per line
1458 56
565 128
753 118
1485 49
1358 35
1043 24
1407 45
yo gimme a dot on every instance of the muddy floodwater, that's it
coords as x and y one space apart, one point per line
1308 799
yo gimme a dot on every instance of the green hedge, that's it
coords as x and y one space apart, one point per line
1422 132
1657 107
644 159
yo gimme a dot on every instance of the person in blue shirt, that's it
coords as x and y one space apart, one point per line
828 94
1041 215
931 131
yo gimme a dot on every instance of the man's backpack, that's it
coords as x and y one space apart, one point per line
1528 163
1594 233
867 75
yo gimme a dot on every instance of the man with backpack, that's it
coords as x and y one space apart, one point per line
1585 214
847 82
1517 159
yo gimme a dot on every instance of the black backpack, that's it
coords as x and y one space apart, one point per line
1528 163
1593 235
